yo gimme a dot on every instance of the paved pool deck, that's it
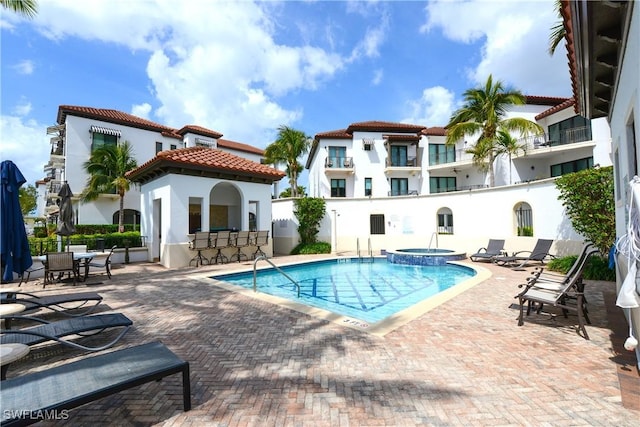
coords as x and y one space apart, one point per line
462 362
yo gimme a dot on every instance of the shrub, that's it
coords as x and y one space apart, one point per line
597 268
312 248
309 211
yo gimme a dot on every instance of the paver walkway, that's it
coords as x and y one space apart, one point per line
466 362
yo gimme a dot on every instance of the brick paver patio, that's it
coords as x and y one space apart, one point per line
466 362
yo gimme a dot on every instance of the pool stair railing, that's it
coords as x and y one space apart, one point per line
255 273
434 234
369 258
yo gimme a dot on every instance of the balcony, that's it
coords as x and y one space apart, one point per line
400 167
339 165
392 193
546 145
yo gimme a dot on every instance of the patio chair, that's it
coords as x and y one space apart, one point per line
242 240
24 278
58 389
550 279
223 240
562 294
59 263
518 260
58 331
76 304
201 241
106 264
262 238
494 248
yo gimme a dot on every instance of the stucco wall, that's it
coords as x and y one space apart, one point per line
411 221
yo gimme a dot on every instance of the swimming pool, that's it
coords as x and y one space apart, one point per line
367 292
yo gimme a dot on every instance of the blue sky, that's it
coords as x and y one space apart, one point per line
245 68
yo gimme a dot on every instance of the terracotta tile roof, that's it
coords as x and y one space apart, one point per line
566 104
233 145
199 130
544 100
205 162
118 117
435 131
335 134
379 126
112 116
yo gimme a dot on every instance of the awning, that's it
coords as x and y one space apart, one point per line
106 131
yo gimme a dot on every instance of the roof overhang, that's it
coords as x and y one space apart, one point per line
596 38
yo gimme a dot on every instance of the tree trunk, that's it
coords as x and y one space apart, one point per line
121 216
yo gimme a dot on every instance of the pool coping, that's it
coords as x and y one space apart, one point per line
380 328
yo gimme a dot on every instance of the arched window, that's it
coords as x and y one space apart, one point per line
131 216
445 221
524 219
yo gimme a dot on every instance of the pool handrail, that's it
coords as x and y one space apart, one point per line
262 257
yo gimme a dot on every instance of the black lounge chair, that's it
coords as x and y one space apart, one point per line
76 304
59 331
28 398
567 294
518 260
494 248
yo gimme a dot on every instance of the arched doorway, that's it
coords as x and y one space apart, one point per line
523 215
225 208
131 217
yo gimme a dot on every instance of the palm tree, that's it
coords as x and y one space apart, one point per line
558 31
507 144
287 148
107 168
483 114
27 8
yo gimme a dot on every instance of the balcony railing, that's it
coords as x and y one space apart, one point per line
569 136
338 162
410 162
393 193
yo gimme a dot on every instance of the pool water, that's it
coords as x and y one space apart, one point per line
369 291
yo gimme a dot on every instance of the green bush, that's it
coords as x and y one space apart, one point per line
597 268
312 248
39 245
525 231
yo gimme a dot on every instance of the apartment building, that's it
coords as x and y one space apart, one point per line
385 159
79 130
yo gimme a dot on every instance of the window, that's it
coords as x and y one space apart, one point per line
524 219
338 188
367 186
442 184
173 146
337 156
441 153
398 155
158 147
575 129
572 166
399 186
195 214
445 221
99 140
376 223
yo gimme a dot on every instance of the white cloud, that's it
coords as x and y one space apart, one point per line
216 64
514 45
24 67
25 143
377 77
23 109
434 108
142 110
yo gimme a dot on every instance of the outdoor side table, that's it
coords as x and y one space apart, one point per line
8 310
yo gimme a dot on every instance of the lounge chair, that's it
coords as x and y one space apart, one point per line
518 260
559 294
76 304
58 331
29 398
552 280
494 248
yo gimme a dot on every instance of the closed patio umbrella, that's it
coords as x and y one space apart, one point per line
15 255
65 218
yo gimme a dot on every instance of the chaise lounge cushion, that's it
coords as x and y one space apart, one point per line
78 303
25 399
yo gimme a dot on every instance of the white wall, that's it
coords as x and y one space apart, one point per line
625 112
174 192
410 221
